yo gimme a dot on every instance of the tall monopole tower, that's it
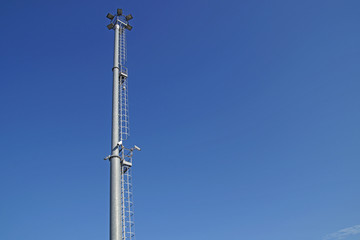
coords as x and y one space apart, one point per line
121 202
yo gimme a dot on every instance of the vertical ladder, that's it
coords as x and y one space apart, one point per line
127 211
122 54
123 91
123 109
127 204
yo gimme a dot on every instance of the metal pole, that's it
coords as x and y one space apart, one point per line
115 164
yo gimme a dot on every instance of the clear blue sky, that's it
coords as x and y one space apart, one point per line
247 113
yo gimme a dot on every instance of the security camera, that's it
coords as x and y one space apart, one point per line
137 148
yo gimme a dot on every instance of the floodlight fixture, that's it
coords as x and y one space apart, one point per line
110 16
119 12
129 17
110 26
128 27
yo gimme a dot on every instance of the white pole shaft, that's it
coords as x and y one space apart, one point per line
115 164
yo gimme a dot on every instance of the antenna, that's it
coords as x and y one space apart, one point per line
121 195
